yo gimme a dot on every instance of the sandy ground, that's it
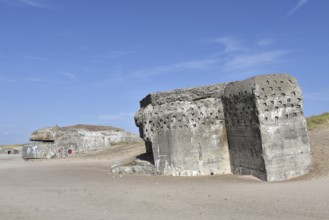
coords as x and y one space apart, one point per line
82 188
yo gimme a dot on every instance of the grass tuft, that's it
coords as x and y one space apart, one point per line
12 146
317 121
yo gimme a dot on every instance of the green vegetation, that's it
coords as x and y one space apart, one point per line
317 121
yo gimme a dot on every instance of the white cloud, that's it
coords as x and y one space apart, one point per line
299 4
174 68
231 44
31 3
234 57
255 59
84 47
69 75
118 116
112 55
238 57
265 42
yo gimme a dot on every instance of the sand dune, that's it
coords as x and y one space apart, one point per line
82 188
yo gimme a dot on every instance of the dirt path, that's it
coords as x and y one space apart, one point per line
82 188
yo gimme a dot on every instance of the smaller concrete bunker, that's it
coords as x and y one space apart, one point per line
252 127
57 142
8 151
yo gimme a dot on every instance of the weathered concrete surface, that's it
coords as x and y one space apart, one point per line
8 151
67 141
266 128
185 129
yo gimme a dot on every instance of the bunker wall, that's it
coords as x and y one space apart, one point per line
279 140
186 137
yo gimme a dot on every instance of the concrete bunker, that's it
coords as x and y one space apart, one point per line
59 142
8 151
252 127
185 130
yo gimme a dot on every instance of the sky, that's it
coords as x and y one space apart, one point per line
66 62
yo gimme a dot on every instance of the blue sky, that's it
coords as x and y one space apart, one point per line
65 62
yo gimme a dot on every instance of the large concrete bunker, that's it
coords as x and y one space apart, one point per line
252 127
